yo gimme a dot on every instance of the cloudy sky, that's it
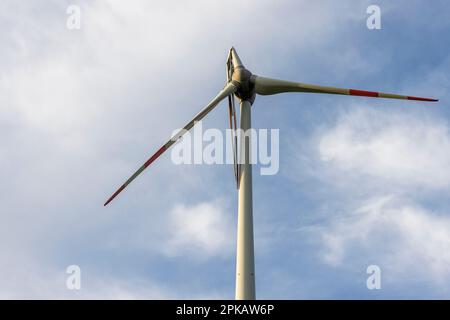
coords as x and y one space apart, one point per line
361 182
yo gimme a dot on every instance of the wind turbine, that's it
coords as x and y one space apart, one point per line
244 85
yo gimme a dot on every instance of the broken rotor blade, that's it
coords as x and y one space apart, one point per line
230 88
267 86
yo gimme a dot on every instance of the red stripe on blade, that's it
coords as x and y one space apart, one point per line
155 156
145 165
422 99
363 93
114 195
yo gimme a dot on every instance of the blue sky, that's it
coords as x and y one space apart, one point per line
361 181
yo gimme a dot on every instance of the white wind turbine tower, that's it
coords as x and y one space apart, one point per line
244 85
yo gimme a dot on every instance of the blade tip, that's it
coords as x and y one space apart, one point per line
422 99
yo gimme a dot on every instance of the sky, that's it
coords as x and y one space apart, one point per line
361 181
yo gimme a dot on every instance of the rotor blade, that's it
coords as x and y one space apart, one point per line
229 89
232 120
267 86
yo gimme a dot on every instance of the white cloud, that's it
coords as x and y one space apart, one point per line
383 165
201 230
32 280
395 150
405 239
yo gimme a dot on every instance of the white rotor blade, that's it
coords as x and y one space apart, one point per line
267 86
230 88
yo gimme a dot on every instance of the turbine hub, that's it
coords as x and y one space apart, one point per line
246 85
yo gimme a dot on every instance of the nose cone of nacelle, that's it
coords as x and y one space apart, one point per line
235 58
